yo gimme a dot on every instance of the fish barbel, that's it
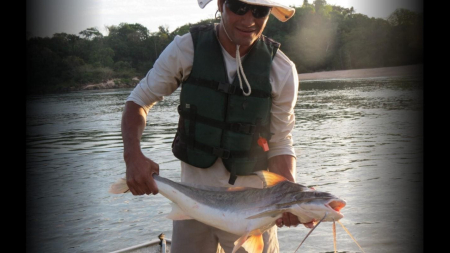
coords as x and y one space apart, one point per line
246 212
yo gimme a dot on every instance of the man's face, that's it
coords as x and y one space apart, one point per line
243 30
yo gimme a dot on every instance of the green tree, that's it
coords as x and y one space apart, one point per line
103 57
319 37
91 33
319 4
401 17
130 43
407 37
43 67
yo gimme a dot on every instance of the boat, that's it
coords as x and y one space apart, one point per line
160 245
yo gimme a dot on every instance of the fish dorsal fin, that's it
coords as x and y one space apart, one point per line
269 178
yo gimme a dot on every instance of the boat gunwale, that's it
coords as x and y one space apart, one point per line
142 245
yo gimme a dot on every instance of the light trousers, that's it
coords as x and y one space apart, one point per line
191 236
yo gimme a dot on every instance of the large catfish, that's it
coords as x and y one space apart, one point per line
246 212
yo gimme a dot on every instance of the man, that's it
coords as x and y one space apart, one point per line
228 126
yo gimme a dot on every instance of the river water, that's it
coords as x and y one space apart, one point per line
360 139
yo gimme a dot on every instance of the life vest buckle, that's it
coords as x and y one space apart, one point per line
226 88
222 153
243 128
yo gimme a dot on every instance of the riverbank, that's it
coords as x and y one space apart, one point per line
111 84
400 71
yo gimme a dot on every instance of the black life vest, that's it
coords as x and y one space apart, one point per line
216 119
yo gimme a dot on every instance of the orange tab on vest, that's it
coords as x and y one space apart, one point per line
262 142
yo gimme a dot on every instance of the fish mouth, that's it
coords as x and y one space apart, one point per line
336 205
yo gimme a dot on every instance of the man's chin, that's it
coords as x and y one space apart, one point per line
243 42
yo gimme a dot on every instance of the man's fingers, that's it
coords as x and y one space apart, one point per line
309 224
131 185
132 190
155 169
140 177
286 219
279 222
142 186
147 190
135 189
293 219
151 186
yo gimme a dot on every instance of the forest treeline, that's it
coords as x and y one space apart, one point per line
319 37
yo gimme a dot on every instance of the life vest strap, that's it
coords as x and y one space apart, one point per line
243 128
225 87
218 151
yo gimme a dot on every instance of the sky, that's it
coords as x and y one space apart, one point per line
47 17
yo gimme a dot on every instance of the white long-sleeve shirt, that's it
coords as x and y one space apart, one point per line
174 66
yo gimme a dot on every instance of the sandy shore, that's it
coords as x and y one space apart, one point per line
110 84
409 70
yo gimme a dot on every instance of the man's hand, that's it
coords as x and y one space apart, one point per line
139 175
289 219
285 165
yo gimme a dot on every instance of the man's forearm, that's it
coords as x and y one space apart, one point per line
139 167
133 125
284 165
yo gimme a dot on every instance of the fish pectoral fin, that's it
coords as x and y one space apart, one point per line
254 243
177 213
271 213
238 243
120 186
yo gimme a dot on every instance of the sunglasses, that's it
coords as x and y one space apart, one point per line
240 8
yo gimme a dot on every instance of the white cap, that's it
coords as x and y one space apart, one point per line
281 12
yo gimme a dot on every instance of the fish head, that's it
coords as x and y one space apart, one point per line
316 205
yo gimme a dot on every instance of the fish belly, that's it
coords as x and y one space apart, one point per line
226 220
231 219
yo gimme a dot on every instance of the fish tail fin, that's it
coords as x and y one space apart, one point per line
120 186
